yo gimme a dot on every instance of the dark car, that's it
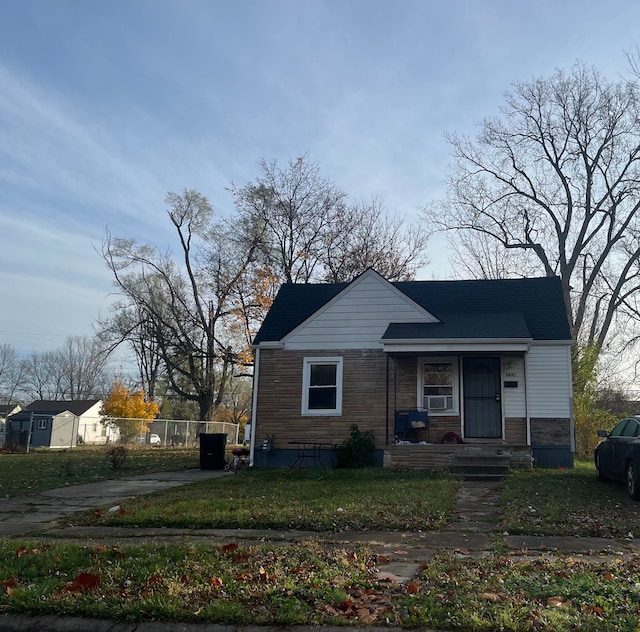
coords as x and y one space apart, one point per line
617 456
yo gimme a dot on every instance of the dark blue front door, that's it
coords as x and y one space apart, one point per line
481 389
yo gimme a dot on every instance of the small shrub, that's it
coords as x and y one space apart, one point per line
116 455
357 450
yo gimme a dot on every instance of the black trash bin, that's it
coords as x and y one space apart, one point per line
212 448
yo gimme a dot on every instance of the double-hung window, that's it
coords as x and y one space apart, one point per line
322 386
439 385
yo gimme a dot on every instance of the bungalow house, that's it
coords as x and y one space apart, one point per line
434 369
57 424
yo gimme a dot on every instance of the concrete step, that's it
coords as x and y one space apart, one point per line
471 459
468 468
480 467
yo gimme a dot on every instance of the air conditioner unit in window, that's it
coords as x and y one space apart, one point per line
437 403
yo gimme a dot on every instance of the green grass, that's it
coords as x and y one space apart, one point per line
310 584
323 500
22 474
568 502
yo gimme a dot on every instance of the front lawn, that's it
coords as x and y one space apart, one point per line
22 474
546 501
314 582
323 500
310 584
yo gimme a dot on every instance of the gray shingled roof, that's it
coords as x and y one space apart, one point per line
489 325
532 305
55 407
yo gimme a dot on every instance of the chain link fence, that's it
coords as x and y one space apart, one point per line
156 432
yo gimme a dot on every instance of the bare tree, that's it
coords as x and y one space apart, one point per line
11 369
185 302
78 370
557 178
80 367
312 233
130 325
476 256
38 377
364 236
296 206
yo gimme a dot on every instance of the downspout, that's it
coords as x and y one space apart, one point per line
572 427
395 385
387 405
526 397
254 406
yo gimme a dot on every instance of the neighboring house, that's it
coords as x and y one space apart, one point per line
418 363
5 411
58 424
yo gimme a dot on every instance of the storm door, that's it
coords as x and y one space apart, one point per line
481 388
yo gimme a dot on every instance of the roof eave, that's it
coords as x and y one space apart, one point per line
268 344
457 344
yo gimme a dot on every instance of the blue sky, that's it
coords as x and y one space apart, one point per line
107 105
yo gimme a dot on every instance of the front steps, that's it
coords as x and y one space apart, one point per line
469 461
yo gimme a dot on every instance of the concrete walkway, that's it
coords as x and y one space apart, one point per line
35 513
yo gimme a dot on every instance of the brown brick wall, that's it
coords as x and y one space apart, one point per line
556 431
515 430
405 383
280 397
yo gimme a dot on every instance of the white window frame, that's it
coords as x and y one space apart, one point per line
306 381
43 423
454 361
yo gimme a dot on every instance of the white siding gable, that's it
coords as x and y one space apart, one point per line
357 317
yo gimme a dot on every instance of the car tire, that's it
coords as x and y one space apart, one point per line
633 484
601 475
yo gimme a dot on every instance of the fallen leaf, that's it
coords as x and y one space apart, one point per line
9 584
154 580
558 602
229 548
489 596
84 582
597 610
412 588
21 551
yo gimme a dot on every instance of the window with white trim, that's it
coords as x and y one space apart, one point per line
438 392
322 386
42 424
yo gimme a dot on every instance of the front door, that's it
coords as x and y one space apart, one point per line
481 388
